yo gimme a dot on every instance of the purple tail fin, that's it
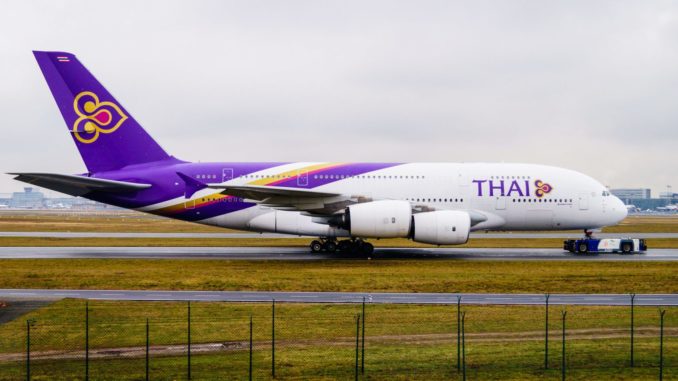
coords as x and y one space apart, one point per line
106 135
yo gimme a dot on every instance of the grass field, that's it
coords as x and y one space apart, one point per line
344 275
403 342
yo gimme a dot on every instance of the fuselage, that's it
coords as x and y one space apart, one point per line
511 196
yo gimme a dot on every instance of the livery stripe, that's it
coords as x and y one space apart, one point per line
316 175
293 175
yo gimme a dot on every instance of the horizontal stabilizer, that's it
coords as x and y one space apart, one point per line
77 185
192 185
262 192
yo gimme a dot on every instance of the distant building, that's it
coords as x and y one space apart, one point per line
669 195
28 199
632 193
4 199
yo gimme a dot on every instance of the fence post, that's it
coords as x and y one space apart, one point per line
147 349
458 333
250 368
362 342
546 334
563 359
633 298
273 339
661 344
28 349
87 340
189 341
357 344
463 345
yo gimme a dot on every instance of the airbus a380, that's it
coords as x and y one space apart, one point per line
342 203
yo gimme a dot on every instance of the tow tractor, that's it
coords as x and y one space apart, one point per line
605 245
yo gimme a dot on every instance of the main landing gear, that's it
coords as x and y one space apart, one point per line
350 246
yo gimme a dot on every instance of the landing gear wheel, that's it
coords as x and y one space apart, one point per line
583 248
367 248
626 248
316 246
344 246
330 246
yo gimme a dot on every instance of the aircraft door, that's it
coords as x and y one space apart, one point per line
302 178
190 204
583 201
226 174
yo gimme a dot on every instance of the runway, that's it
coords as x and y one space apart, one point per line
275 235
345 297
302 254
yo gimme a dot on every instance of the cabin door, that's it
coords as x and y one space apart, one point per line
583 201
226 175
302 178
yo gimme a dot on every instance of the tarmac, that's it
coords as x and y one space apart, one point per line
303 254
344 297
276 235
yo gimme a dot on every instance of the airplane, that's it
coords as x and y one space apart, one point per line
342 203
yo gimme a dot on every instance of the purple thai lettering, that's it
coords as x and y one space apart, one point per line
499 187
515 187
480 186
527 188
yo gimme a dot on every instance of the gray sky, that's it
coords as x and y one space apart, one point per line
586 85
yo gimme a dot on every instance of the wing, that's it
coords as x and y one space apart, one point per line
307 201
77 185
263 192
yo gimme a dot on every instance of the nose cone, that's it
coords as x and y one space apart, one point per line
618 211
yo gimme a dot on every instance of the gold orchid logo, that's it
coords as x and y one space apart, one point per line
95 117
542 188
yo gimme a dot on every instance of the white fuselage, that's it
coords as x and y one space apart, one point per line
511 196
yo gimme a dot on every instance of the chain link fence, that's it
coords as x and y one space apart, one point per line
107 340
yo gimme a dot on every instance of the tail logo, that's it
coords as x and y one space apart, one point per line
95 117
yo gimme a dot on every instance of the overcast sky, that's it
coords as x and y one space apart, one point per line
588 85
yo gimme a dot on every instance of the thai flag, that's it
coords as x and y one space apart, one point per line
63 59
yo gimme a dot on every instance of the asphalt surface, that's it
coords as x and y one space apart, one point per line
298 254
344 297
274 235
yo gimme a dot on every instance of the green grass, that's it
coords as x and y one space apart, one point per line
314 341
344 275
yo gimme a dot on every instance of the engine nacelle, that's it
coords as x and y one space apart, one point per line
379 219
443 227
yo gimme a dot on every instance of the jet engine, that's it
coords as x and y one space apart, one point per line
378 219
443 227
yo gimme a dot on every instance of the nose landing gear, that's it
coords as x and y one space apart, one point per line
349 246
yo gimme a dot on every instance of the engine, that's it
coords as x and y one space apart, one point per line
443 227
378 219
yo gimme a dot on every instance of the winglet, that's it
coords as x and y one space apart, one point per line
192 185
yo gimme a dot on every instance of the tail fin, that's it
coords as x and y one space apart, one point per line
106 135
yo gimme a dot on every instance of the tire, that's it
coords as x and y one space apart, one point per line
344 246
330 246
316 246
367 248
583 248
626 248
